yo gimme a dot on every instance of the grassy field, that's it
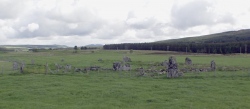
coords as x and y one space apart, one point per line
110 89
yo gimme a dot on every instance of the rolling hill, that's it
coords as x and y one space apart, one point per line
35 46
94 45
221 43
224 37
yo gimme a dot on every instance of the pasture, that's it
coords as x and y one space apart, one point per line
227 87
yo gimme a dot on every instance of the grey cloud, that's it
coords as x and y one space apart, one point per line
56 23
131 14
152 32
226 18
10 9
157 29
77 15
146 28
192 14
141 23
145 34
197 13
83 22
111 30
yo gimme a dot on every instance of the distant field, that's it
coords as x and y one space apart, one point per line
226 88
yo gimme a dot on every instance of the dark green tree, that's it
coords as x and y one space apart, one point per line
75 48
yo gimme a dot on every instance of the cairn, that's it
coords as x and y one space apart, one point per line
126 67
117 66
94 68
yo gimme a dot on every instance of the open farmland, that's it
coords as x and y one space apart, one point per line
227 87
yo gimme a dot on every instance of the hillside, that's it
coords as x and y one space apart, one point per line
34 46
220 43
224 37
94 45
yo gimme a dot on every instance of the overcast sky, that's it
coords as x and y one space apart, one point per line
82 22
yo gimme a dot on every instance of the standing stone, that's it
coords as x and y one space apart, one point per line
188 61
117 66
131 51
46 68
23 63
67 68
126 59
32 62
100 60
22 67
57 67
141 72
173 68
15 65
213 65
165 64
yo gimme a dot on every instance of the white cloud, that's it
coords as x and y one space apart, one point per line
22 29
83 22
32 27
110 30
141 23
73 25
196 13
7 31
10 9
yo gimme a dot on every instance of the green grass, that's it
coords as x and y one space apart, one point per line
81 91
114 90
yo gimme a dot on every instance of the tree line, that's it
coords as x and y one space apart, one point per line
216 48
